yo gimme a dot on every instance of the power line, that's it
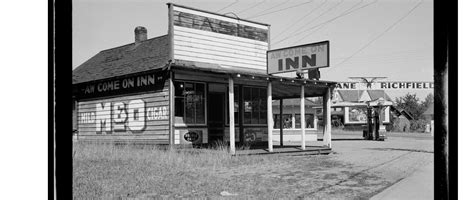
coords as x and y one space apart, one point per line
298 20
381 34
273 7
297 5
314 19
323 23
236 1
252 6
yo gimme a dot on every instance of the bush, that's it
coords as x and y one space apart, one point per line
401 125
418 125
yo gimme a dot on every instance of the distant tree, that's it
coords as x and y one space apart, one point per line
412 104
429 99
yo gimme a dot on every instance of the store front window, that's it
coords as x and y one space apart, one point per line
309 119
287 121
189 103
255 105
236 106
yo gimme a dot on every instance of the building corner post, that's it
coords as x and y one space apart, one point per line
269 117
327 117
231 116
302 119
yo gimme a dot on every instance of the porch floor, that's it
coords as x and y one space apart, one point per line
286 149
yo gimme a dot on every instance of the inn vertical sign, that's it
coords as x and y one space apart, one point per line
304 57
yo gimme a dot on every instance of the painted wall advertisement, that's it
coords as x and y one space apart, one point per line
121 85
110 117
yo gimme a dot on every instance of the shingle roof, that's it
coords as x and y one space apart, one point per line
149 54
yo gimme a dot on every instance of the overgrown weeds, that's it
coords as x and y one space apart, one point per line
108 170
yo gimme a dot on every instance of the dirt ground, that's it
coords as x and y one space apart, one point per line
357 169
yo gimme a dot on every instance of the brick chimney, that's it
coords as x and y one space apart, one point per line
140 34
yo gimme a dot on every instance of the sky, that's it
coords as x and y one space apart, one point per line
383 38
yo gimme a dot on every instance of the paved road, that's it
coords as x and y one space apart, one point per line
405 160
419 185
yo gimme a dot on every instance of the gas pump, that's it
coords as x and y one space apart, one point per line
374 122
368 133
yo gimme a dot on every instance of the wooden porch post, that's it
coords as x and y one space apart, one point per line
270 116
327 117
302 119
281 122
172 139
231 116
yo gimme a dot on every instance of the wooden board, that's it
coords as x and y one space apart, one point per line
211 38
143 116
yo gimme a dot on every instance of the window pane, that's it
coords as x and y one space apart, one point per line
297 121
179 89
263 106
247 105
287 121
236 104
189 109
309 121
276 121
199 100
255 105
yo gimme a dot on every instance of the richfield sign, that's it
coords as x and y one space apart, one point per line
386 85
308 56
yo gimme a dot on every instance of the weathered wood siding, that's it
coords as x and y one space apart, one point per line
133 117
205 37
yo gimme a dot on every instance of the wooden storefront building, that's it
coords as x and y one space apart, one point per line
180 88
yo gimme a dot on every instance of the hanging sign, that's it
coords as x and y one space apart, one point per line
304 57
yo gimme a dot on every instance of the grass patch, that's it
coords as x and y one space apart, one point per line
109 171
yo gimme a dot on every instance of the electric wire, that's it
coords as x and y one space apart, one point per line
249 8
380 35
314 19
300 19
236 1
272 7
325 22
283 9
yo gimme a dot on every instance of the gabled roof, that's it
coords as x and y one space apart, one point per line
355 95
131 58
376 94
401 112
350 95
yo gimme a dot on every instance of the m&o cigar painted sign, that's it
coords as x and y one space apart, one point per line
121 85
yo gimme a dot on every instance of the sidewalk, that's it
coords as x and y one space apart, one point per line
420 185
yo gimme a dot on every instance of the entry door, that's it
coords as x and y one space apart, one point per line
216 113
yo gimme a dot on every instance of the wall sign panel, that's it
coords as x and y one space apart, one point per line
131 117
212 38
122 85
